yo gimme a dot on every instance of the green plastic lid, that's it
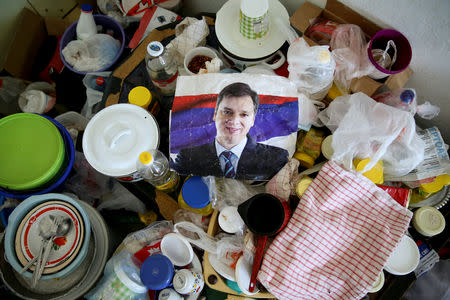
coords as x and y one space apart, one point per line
31 151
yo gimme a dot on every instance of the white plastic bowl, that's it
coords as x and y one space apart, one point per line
177 249
205 51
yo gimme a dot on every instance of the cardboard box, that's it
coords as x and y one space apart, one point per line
30 35
308 13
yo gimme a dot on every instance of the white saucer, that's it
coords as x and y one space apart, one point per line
227 31
221 268
405 257
243 274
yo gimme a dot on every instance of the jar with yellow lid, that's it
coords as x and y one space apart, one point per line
428 221
141 96
194 196
375 174
308 146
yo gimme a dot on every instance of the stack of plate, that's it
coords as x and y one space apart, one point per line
36 155
23 241
77 264
237 47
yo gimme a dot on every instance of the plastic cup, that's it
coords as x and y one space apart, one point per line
177 249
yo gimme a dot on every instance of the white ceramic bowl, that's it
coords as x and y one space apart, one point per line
205 51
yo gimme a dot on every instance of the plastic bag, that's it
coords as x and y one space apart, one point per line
349 50
363 128
95 83
91 54
406 99
39 97
310 68
10 89
135 241
230 248
184 215
196 236
308 111
229 192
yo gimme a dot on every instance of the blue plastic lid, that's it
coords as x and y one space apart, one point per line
157 272
407 96
86 7
195 192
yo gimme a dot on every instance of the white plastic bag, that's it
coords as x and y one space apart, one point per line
310 68
308 111
91 54
349 50
363 128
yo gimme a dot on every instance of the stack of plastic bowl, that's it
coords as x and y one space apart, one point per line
36 155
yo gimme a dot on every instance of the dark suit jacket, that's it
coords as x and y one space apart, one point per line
257 161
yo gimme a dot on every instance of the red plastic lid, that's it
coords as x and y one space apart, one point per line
100 80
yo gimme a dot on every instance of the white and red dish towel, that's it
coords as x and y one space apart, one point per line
337 241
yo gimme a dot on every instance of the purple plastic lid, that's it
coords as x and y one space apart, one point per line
404 52
157 272
86 7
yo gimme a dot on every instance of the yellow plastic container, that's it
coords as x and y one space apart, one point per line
375 174
437 185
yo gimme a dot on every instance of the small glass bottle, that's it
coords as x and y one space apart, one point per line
86 26
154 167
162 68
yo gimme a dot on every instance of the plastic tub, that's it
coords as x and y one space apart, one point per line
58 179
108 23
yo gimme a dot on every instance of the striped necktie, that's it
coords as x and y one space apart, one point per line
228 171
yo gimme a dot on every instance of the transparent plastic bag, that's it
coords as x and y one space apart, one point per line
308 111
91 54
196 236
185 215
230 248
363 128
310 68
229 192
135 241
349 50
406 99
95 83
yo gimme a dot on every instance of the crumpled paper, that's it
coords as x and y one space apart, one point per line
190 33
283 184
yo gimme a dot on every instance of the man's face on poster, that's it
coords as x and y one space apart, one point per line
234 117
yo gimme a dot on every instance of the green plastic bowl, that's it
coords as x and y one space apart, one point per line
31 151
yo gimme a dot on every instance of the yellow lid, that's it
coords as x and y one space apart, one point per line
302 185
428 221
148 217
140 96
375 174
305 160
327 149
436 185
334 92
145 157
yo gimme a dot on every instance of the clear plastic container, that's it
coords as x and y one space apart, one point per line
162 68
153 166
86 26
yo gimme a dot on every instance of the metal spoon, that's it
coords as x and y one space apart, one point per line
63 227
47 229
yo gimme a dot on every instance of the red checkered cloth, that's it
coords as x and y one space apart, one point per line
337 241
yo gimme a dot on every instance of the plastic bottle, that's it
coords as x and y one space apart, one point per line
97 83
154 167
162 68
308 146
141 96
86 25
10 90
